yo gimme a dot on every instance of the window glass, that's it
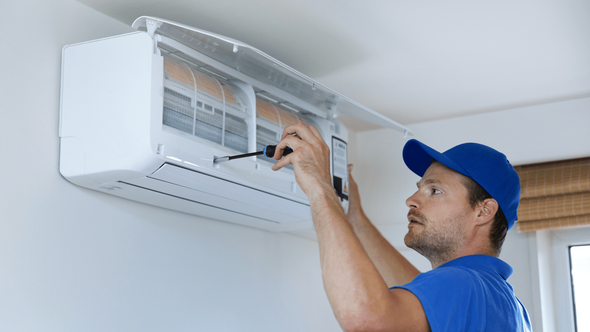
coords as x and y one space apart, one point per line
580 262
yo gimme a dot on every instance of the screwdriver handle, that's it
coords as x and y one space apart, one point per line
269 151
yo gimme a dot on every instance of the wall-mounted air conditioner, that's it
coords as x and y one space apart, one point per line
144 114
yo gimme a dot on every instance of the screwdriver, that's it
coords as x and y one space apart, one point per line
268 151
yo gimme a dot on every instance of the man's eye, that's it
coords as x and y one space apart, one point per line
435 191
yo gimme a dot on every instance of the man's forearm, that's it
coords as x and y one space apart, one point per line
395 269
356 290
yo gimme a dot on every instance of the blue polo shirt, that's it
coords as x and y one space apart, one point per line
470 293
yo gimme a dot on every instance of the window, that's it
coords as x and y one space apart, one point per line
564 272
580 274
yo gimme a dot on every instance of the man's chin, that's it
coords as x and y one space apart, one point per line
411 239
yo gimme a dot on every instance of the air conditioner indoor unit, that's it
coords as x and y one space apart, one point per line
144 114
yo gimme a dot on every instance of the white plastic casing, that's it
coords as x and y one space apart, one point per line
113 140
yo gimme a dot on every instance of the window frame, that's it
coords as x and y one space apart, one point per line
562 241
572 282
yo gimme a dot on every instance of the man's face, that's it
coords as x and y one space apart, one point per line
438 214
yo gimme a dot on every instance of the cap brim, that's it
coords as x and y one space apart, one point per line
419 156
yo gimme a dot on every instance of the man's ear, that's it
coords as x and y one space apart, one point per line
486 211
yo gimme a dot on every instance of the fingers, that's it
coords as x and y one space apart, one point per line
294 134
350 179
299 136
292 142
300 130
282 163
354 207
316 133
352 183
353 188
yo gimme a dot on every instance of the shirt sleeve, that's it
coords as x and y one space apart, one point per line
453 299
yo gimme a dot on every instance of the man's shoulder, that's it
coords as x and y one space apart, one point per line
443 293
469 294
447 285
474 270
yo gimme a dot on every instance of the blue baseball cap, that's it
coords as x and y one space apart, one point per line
484 165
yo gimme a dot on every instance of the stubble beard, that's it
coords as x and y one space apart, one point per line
438 244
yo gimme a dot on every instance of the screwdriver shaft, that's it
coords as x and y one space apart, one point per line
268 151
245 155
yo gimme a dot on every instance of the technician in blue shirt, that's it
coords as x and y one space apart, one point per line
466 201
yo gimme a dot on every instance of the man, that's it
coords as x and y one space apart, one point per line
466 200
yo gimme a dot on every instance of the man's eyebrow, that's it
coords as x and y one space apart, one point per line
428 181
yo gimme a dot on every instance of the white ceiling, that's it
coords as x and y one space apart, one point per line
410 60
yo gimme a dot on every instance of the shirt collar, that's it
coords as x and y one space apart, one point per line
482 262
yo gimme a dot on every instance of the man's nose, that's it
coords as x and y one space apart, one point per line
412 201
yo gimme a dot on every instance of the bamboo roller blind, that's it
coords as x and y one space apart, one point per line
553 195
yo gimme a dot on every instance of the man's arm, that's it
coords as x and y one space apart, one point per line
393 267
359 297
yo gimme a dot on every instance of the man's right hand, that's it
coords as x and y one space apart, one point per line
310 159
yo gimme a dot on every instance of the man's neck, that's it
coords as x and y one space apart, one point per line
438 261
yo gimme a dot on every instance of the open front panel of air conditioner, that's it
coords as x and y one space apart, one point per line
144 114
199 104
204 103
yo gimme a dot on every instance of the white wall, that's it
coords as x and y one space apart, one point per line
72 259
526 135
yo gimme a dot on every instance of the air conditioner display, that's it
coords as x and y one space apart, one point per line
340 168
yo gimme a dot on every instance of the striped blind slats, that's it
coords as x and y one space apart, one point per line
550 179
555 194
554 223
553 207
